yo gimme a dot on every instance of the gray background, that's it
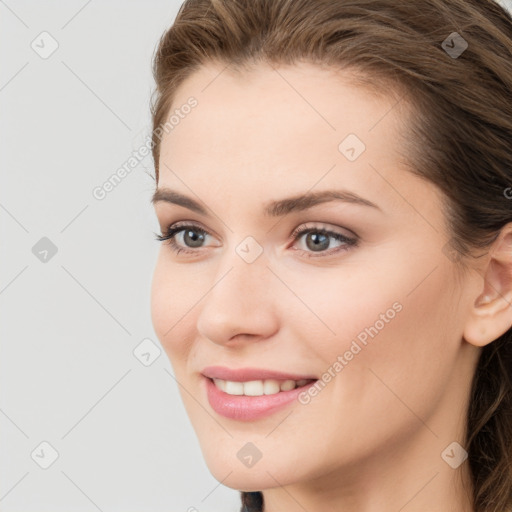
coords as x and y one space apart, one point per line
70 323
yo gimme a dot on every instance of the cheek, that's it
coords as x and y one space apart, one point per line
333 307
409 358
173 295
397 324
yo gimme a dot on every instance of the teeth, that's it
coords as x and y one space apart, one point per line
253 388
234 388
271 387
221 384
257 387
287 385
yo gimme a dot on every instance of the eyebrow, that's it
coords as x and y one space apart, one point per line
274 208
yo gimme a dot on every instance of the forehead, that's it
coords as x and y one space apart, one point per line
264 115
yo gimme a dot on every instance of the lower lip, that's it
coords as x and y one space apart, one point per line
249 408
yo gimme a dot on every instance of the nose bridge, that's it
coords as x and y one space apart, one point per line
238 299
243 268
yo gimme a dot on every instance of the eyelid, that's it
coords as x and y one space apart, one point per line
187 223
324 226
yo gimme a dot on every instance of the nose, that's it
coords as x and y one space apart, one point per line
240 304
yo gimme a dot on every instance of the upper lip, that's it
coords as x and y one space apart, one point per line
248 374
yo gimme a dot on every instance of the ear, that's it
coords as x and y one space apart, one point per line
491 314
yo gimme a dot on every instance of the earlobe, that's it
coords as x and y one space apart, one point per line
491 313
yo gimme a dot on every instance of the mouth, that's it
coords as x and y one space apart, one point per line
255 399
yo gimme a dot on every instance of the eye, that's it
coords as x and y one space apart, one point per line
191 234
317 239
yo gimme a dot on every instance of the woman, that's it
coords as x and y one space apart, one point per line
333 187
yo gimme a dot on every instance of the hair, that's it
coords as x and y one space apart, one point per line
459 135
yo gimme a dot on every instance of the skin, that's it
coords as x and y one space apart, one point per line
372 439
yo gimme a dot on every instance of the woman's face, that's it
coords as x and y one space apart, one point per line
377 317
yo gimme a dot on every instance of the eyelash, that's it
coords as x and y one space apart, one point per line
173 230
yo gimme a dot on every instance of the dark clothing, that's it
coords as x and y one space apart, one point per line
252 502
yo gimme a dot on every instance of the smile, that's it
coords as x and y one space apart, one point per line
252 400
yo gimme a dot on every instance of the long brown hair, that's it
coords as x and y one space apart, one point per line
459 133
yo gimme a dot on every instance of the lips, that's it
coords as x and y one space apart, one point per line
249 374
249 408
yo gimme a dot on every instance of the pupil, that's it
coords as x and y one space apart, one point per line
317 237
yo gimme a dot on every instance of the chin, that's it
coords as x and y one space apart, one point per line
245 480
228 469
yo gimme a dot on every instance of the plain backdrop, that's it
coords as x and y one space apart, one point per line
90 416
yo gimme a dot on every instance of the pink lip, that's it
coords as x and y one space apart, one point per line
248 408
247 374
